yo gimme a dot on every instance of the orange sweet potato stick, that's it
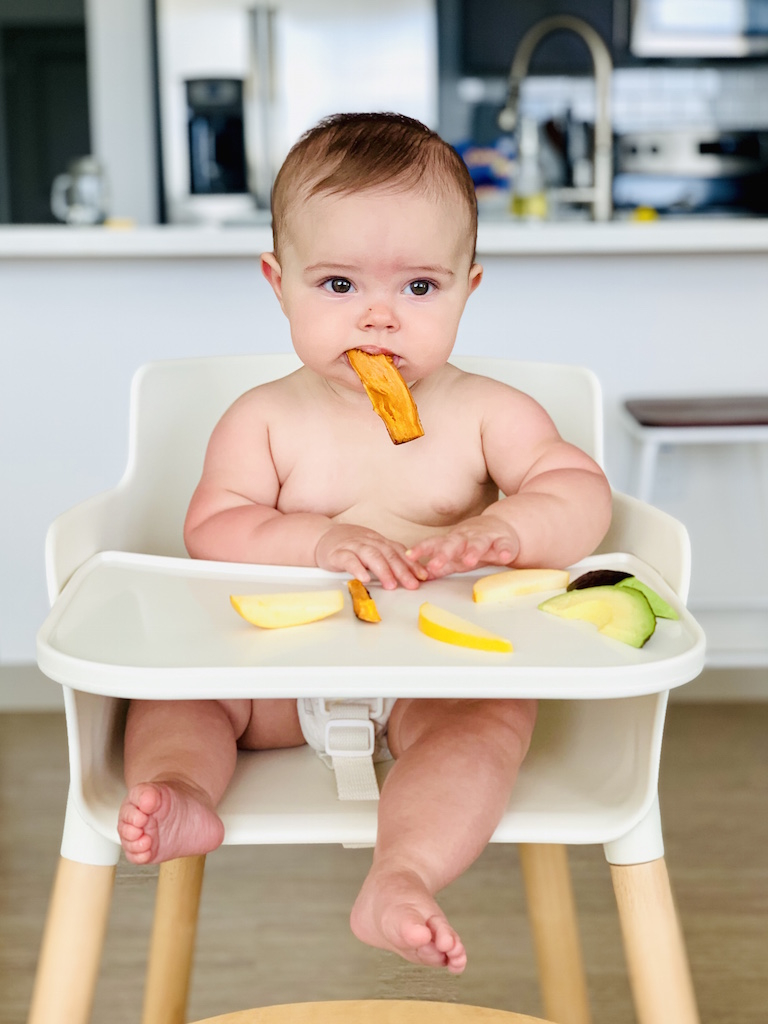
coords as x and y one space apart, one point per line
388 393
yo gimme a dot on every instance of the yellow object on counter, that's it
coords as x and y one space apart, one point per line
644 214
120 223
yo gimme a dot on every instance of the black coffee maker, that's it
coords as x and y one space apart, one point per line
217 163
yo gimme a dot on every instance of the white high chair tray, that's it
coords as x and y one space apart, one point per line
131 625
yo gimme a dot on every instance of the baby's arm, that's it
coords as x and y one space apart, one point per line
233 515
558 507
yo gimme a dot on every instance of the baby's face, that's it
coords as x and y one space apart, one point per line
384 272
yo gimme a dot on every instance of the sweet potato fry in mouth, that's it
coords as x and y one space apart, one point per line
389 394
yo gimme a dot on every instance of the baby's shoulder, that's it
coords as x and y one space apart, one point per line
264 398
488 389
501 409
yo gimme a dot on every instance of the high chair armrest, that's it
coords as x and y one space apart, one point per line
654 536
97 524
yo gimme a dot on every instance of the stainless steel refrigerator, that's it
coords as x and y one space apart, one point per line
238 82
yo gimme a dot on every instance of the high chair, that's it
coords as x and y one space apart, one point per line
132 616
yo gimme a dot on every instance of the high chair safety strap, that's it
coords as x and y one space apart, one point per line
349 747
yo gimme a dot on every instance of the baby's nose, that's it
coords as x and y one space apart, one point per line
379 316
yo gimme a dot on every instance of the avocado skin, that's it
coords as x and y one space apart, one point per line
598 578
659 606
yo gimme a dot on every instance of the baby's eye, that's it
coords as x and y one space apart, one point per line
420 287
339 285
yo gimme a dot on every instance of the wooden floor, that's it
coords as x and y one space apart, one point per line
274 920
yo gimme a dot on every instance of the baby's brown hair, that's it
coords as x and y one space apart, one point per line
348 153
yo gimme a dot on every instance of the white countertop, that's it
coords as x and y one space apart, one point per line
495 238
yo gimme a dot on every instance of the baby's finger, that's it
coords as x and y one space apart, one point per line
500 553
347 561
407 573
387 566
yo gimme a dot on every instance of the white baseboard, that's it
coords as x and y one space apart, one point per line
25 688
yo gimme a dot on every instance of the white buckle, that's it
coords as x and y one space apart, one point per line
374 704
349 723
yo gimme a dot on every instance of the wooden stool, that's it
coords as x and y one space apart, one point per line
374 1011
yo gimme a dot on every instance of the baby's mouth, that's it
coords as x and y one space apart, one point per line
376 350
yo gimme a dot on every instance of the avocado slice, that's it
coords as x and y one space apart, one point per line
598 578
622 613
659 606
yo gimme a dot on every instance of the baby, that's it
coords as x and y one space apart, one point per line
374 221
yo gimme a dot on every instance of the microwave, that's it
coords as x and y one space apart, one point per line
699 28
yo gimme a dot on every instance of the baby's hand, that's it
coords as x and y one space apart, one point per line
365 553
482 540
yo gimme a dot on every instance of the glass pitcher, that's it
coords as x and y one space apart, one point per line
81 196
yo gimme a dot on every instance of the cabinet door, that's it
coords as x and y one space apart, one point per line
490 30
46 106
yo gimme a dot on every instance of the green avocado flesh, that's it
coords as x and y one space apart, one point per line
622 613
658 605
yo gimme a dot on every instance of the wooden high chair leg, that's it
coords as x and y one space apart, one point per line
172 947
552 913
653 941
73 940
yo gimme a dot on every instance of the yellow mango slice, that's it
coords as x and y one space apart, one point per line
273 611
389 394
363 604
500 586
452 629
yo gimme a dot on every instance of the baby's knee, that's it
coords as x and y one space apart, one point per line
503 724
507 724
238 711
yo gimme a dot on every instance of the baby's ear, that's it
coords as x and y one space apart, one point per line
272 271
475 276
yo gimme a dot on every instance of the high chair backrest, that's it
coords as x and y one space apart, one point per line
175 405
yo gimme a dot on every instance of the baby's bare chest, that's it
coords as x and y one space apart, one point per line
352 471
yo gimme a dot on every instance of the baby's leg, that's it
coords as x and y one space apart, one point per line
179 759
457 761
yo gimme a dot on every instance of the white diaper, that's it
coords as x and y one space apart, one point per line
315 714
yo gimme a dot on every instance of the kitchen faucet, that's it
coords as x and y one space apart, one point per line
599 194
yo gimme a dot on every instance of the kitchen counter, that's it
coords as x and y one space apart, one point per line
495 238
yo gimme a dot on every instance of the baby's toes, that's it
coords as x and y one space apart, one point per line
129 833
444 937
456 964
132 816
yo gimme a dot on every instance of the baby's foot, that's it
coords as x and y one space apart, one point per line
395 911
162 820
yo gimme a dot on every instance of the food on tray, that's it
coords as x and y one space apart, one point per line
598 578
388 393
272 611
500 586
452 629
619 612
614 577
362 603
659 606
